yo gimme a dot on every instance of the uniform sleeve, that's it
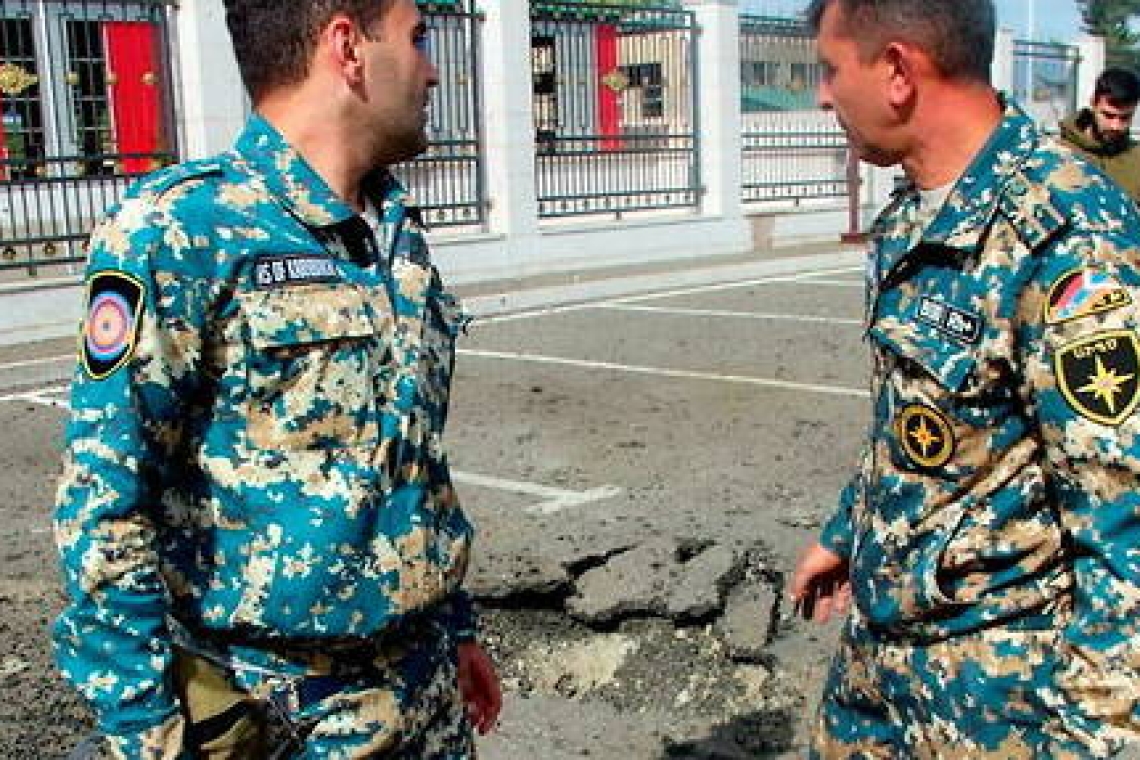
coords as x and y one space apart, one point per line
457 612
838 533
1079 350
138 347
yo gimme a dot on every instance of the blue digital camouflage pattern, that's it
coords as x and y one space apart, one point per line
993 529
264 456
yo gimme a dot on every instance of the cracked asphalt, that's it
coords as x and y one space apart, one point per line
723 416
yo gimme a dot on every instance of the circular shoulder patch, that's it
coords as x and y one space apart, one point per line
925 435
114 303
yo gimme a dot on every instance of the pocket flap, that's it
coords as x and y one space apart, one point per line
307 314
947 362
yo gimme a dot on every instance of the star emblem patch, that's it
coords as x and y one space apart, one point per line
925 435
1100 375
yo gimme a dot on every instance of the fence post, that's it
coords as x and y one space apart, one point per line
718 106
509 125
1001 68
212 101
1091 64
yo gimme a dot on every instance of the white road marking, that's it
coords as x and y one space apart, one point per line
40 396
712 287
832 390
35 362
554 499
799 279
729 314
837 283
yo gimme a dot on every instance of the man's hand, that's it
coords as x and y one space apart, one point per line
821 585
479 686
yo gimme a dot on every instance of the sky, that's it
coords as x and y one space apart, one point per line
1051 20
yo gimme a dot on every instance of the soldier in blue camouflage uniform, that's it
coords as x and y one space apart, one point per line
990 540
259 535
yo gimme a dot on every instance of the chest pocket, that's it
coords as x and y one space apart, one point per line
317 366
937 405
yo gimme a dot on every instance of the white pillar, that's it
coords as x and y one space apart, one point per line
1092 53
718 105
509 124
1001 69
212 101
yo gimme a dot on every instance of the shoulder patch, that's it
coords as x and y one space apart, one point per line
1082 293
110 327
1099 375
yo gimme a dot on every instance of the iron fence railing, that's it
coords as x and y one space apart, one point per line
448 179
615 93
791 149
85 96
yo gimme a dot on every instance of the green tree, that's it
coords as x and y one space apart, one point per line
1112 19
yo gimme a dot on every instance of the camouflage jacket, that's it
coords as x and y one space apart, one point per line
255 444
999 486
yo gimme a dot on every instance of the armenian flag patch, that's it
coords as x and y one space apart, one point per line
1100 375
1082 293
110 329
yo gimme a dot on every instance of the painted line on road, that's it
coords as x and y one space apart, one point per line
798 279
692 290
729 314
837 283
40 396
554 499
37 362
831 390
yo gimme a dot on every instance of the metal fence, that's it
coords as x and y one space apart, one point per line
615 93
1045 76
792 150
447 180
85 97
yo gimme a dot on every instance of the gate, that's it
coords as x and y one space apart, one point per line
615 92
85 96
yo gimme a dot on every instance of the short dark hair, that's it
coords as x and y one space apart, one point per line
1120 87
274 40
958 35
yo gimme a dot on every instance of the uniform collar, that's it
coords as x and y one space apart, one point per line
298 187
964 218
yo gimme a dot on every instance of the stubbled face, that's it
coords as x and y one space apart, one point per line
399 81
856 90
1112 121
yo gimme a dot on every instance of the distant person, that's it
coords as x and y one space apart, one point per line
263 552
990 537
1100 132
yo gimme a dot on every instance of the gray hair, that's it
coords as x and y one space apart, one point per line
958 35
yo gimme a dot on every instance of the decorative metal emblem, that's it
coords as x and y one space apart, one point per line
15 79
616 80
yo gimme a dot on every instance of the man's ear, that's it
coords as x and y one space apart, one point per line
902 64
340 41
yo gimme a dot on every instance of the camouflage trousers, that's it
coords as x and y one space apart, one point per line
988 694
403 703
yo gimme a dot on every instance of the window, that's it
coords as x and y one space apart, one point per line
87 83
647 77
22 128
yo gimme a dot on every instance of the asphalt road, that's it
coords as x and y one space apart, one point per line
717 411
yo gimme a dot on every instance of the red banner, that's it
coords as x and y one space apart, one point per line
609 99
3 143
133 89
